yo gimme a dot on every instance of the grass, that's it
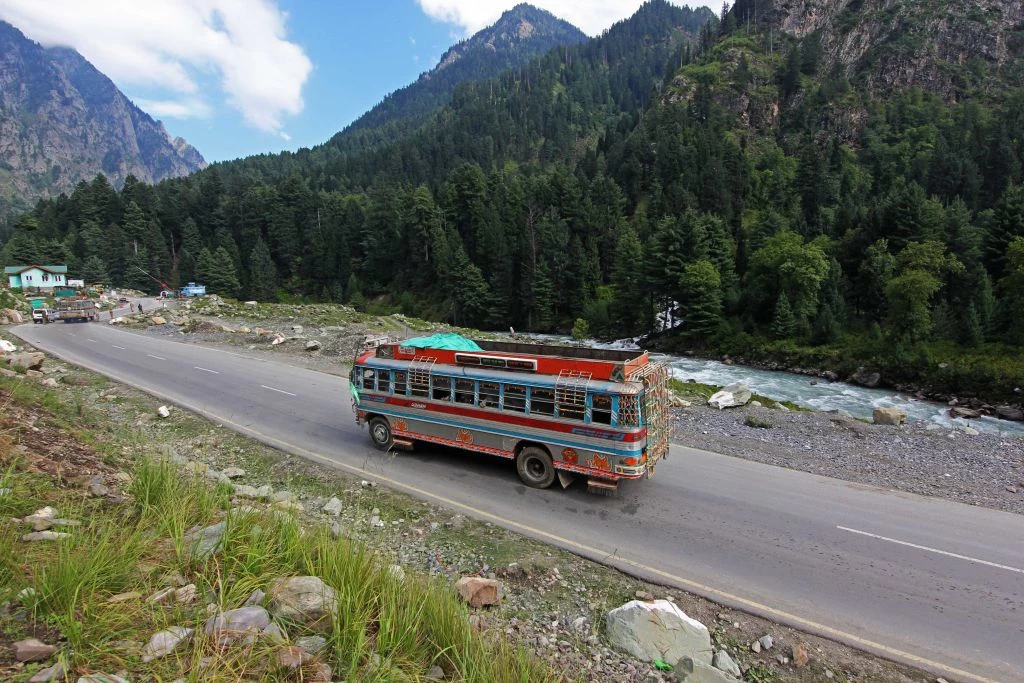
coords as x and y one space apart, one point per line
386 629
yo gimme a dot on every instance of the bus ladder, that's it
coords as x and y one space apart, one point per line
419 374
571 390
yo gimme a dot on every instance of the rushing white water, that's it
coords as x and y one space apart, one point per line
814 393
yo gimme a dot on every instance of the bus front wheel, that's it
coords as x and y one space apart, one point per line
380 433
535 467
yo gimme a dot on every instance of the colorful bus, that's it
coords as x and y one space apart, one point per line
555 411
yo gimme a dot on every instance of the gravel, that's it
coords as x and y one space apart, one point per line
985 470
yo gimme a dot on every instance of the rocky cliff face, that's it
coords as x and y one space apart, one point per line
945 46
62 121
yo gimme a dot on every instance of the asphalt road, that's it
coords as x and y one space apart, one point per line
933 583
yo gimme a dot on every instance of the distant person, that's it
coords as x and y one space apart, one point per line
140 307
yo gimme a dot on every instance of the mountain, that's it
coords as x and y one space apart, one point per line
62 121
520 34
952 48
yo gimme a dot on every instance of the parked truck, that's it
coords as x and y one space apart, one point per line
76 310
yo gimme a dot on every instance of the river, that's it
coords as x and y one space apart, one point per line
814 393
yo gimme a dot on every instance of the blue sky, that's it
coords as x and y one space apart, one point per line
242 77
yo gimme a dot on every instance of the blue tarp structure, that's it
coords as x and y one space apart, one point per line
449 341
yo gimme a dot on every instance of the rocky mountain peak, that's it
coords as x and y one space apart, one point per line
63 121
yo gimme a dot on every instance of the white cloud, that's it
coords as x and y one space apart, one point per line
187 108
166 45
590 16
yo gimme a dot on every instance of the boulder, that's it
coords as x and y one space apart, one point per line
866 378
206 542
736 394
31 360
723 662
33 650
302 599
252 303
888 416
312 644
244 623
49 383
57 672
278 339
292 657
313 345
964 413
165 642
478 591
163 411
7 347
45 536
658 630
332 507
297 329
158 320
233 472
694 671
14 316
1010 413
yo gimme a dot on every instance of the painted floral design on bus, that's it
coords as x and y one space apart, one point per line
599 462
464 436
570 456
401 426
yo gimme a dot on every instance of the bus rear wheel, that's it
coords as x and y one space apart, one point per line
535 467
380 433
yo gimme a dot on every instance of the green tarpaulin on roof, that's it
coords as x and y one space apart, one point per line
451 342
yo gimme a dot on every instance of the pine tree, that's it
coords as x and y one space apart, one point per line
784 324
93 270
630 306
222 278
262 273
701 302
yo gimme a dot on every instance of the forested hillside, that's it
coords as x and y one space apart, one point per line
779 199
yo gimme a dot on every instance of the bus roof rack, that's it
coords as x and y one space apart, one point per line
581 352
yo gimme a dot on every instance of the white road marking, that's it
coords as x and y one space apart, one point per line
932 550
280 391
212 372
71 334
119 347
157 357
91 340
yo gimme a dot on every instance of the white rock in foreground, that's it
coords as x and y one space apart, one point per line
165 642
736 394
658 630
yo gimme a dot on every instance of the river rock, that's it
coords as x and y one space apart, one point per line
312 644
32 360
888 416
158 320
736 394
695 671
57 672
33 650
723 662
658 630
478 591
207 541
165 642
332 507
1010 413
233 472
45 536
302 599
866 378
235 624
292 657
964 412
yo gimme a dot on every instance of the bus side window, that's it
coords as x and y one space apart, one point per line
420 385
442 388
489 394
515 398
401 382
601 410
542 401
384 381
369 379
465 391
